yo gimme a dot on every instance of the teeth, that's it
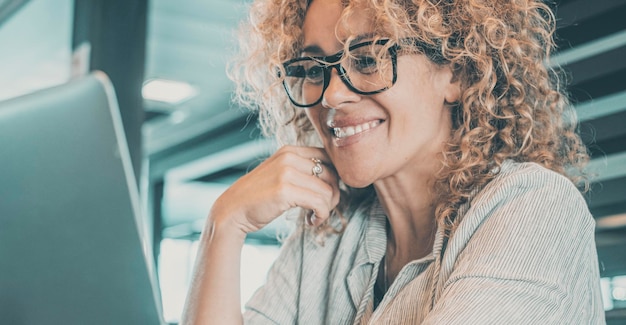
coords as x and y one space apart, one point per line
352 130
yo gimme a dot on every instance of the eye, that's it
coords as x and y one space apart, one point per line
314 74
365 64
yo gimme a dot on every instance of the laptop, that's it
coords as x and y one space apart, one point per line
72 249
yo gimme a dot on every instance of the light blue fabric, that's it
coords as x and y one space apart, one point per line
524 253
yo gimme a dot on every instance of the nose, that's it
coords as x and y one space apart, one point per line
337 93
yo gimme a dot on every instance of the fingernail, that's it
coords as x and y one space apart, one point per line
313 218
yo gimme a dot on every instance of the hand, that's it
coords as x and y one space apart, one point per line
282 182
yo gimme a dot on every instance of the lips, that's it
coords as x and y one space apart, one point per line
350 130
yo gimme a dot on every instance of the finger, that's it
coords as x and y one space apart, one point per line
326 172
294 160
299 159
322 192
318 203
308 152
330 177
309 218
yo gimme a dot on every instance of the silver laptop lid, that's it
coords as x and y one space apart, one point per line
71 250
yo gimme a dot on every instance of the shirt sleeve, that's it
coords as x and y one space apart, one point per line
530 259
276 301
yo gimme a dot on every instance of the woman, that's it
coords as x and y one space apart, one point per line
429 147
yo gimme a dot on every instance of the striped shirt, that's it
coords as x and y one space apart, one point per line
524 253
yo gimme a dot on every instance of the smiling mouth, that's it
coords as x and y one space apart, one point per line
346 131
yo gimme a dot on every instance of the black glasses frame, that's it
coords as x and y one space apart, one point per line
333 61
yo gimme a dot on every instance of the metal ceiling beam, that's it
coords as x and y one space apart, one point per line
590 49
611 222
609 167
214 10
9 7
576 11
233 156
169 24
186 54
213 143
600 66
157 142
601 107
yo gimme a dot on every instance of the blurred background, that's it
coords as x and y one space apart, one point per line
167 60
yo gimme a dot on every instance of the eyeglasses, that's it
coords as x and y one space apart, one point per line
367 69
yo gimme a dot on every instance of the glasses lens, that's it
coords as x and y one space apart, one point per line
304 81
369 68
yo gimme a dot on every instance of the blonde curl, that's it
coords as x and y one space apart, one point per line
513 103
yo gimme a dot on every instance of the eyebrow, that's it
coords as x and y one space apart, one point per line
316 49
312 49
362 37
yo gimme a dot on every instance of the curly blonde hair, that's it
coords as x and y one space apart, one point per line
513 103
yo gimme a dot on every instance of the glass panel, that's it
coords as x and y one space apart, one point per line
176 264
36 47
618 291
607 299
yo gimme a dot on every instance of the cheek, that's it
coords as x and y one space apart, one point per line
314 116
311 114
417 113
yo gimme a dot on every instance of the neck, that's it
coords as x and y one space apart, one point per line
408 201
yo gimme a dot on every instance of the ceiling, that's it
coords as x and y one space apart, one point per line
190 40
40 56
593 47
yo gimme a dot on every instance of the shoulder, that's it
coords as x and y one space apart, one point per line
528 218
529 175
526 198
529 186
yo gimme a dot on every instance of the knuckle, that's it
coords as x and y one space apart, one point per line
282 192
323 202
286 175
285 158
335 200
287 149
322 215
328 188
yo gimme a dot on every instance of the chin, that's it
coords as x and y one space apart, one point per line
355 181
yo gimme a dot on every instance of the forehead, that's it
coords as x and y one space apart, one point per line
325 28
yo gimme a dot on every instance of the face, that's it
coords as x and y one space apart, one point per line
394 134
